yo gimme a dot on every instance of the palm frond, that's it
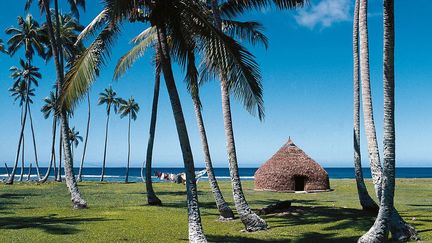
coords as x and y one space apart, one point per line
250 31
234 8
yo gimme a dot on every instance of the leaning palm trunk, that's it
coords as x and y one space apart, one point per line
106 142
196 233
366 201
76 198
224 210
45 178
399 228
34 143
58 177
86 139
152 199
251 220
128 161
29 172
20 142
22 159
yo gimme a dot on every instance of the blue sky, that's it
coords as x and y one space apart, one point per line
307 77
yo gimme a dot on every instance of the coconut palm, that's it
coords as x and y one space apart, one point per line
254 104
183 21
29 35
24 77
55 42
19 93
400 229
130 109
74 138
110 99
48 109
365 199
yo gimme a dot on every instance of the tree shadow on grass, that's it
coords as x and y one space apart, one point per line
305 238
50 223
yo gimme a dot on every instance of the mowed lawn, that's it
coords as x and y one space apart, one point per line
118 212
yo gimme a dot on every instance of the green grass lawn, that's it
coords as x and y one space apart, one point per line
118 212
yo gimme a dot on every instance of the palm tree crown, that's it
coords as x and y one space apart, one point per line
26 72
28 35
74 137
109 97
129 107
19 92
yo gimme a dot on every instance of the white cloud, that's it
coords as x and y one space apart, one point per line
324 14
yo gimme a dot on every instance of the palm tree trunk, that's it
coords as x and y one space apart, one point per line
76 198
29 172
34 143
398 227
365 199
54 128
375 164
11 178
105 147
152 199
128 161
22 159
58 177
251 220
86 138
7 169
224 210
196 233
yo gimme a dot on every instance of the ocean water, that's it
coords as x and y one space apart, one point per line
118 174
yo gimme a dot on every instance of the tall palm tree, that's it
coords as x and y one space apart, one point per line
30 36
48 109
74 138
400 229
365 199
232 9
110 99
24 76
130 109
183 21
56 44
19 92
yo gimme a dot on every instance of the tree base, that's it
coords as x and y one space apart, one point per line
9 182
79 203
372 237
253 222
226 213
405 233
154 201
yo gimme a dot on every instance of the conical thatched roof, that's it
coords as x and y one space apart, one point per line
288 167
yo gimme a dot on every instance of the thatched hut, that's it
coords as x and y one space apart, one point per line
290 170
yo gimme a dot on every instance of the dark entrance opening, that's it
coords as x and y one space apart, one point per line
299 183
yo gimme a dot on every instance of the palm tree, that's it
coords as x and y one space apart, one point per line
19 92
47 109
183 21
232 9
24 76
366 201
74 138
110 99
400 229
130 109
56 44
29 36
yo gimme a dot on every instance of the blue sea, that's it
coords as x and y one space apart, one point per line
118 174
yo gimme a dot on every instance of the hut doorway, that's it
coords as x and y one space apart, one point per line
299 183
